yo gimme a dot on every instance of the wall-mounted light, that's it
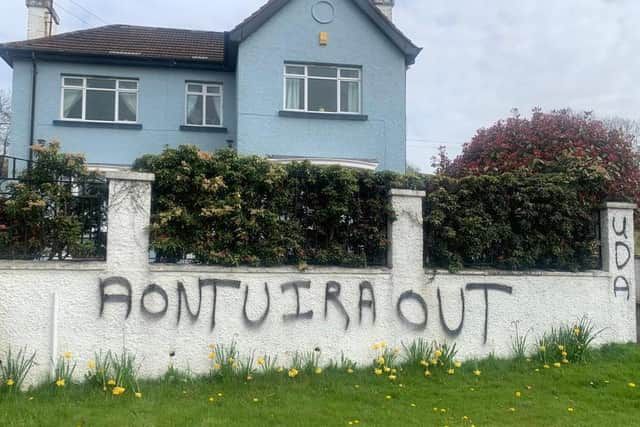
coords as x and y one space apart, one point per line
324 38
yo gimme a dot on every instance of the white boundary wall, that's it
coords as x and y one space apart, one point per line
54 307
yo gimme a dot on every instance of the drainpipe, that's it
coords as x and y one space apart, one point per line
33 104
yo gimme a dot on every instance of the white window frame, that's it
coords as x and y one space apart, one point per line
204 94
306 78
84 88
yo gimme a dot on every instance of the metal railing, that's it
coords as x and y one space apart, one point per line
69 222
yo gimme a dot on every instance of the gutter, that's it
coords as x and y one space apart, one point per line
34 80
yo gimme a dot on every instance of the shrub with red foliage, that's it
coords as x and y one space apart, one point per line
559 141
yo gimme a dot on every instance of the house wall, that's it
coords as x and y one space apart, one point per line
161 112
292 35
55 307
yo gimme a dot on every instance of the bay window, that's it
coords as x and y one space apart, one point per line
322 89
99 99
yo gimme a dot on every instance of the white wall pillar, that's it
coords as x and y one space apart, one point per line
618 259
128 220
405 233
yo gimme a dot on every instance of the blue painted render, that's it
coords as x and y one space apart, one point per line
293 35
253 97
161 112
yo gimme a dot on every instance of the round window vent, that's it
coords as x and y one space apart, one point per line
323 12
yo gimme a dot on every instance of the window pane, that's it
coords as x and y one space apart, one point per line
349 97
213 89
295 69
352 74
214 111
127 107
72 104
101 105
127 85
194 88
101 83
323 72
194 110
294 97
70 81
323 95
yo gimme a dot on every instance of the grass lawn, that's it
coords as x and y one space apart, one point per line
599 392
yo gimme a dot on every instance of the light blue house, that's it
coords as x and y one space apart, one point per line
323 80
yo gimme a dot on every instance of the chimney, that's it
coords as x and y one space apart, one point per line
386 7
42 19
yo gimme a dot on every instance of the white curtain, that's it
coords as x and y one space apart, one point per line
293 95
128 107
353 97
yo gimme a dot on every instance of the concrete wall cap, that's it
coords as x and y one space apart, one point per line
398 192
619 205
130 176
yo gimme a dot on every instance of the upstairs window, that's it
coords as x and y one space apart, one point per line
99 99
322 89
204 104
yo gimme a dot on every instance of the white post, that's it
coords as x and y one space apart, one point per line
128 220
405 233
618 259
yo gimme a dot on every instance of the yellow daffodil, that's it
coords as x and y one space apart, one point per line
111 382
349 371
392 377
387 369
543 348
91 364
570 409
10 382
67 355
565 361
249 378
438 353
393 371
377 371
477 372
212 346
380 361
138 395
427 373
529 387
457 364
217 366
632 385
546 366
280 369
220 394
518 394
443 411
256 400
576 331
413 405
396 351
117 391
512 409
60 382
557 365
435 409
293 372
260 361
318 371
451 371
387 397
235 365
564 354
231 360
561 347
424 363
212 355
211 399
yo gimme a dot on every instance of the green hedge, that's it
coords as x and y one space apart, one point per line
513 221
231 210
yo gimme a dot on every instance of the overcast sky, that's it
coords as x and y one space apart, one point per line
481 58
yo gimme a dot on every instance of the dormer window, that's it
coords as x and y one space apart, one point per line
322 89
